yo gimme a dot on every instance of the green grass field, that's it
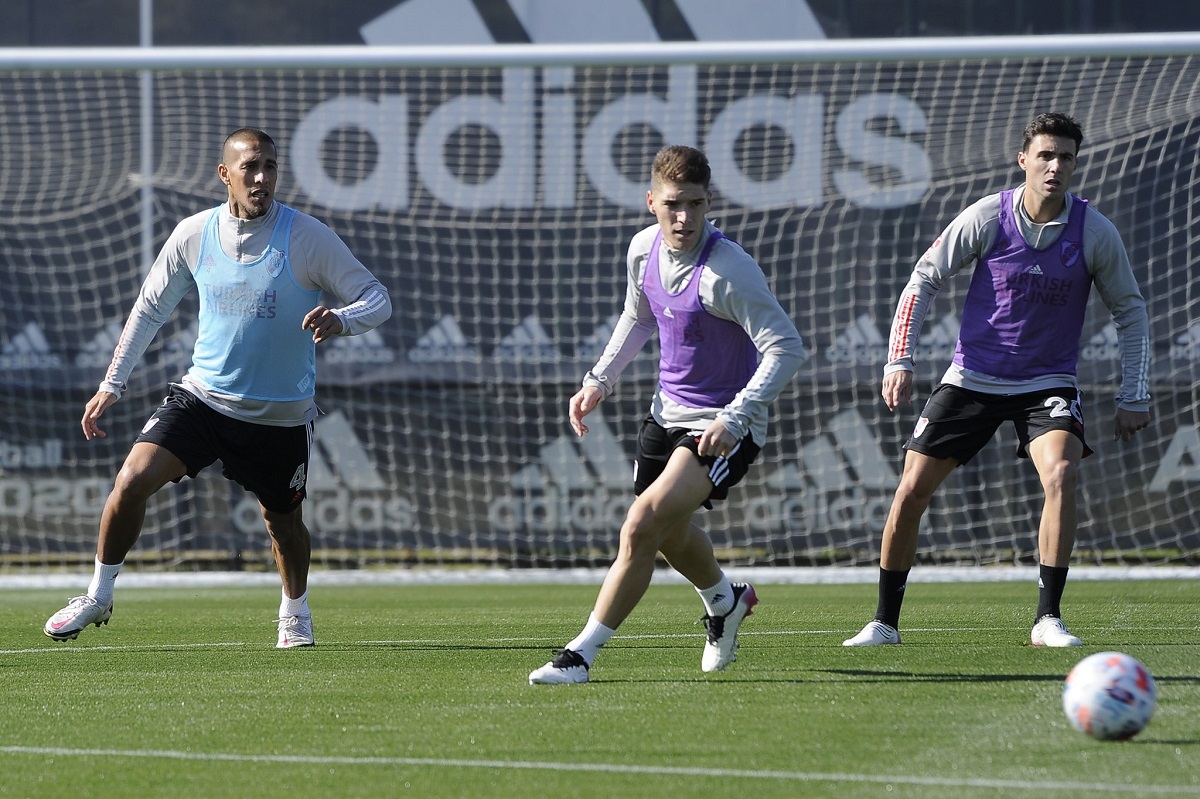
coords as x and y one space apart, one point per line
421 691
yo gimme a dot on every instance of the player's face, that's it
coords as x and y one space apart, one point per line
249 173
1049 164
680 209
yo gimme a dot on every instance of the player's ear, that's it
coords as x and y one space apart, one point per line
223 173
650 201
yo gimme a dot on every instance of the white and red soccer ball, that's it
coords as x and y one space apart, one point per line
1109 696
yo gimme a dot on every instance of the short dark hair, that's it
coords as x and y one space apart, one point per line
678 163
1052 125
247 134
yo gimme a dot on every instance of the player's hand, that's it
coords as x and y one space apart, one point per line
1126 423
323 323
95 408
715 441
897 388
583 403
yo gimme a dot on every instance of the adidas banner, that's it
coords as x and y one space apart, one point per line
496 204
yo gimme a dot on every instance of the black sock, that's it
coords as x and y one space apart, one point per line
891 596
1051 582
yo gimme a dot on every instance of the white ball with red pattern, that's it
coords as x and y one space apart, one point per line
1109 696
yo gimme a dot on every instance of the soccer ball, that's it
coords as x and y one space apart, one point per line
1109 696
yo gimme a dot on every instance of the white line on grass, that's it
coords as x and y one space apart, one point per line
78 650
612 768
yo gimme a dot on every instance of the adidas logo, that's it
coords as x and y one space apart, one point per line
338 459
29 349
542 162
861 342
426 22
98 353
846 456
527 343
1180 463
578 464
1103 346
364 348
1037 270
841 481
575 484
444 343
1187 345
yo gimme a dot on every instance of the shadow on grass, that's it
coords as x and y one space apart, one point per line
859 677
869 675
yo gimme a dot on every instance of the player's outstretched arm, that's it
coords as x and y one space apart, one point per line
583 403
92 412
897 388
1126 423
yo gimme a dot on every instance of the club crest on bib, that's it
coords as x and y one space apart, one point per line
1070 253
274 263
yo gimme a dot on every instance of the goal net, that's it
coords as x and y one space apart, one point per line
495 199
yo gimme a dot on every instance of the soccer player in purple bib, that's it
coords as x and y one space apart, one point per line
1036 251
263 272
727 350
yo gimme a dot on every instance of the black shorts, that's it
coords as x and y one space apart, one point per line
270 462
957 423
656 443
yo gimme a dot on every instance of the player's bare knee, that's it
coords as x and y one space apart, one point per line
134 485
912 497
640 533
1061 478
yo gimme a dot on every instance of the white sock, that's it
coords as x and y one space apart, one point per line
588 642
294 607
103 578
718 600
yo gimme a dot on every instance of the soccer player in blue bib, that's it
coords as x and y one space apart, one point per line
262 271
1036 252
727 350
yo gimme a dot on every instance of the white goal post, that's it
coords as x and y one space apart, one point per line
493 190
